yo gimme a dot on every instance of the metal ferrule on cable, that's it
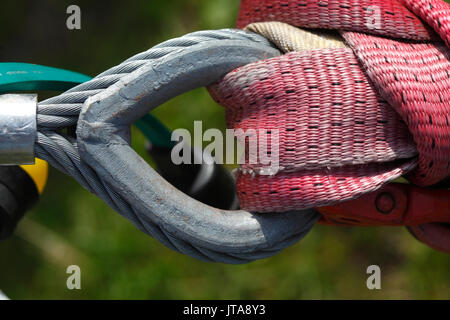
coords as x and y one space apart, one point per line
17 128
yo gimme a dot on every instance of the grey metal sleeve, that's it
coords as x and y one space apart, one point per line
102 160
18 128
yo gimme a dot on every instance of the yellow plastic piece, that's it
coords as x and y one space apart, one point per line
38 172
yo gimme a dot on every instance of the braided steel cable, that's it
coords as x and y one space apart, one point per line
62 111
61 151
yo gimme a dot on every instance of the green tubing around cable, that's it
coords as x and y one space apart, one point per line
34 77
16 77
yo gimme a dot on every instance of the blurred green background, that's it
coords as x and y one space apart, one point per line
71 226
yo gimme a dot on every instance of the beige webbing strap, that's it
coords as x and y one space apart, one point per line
289 38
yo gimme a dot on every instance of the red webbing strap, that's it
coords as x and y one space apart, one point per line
413 78
350 15
323 106
334 129
314 188
435 13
